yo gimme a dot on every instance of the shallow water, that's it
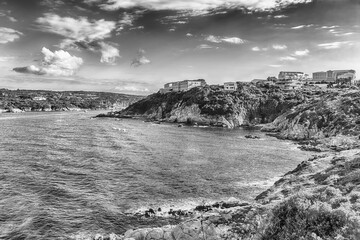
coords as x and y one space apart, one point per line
64 174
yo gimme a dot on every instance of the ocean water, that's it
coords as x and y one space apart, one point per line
65 175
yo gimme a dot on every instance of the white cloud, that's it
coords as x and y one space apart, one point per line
8 35
84 33
275 65
213 39
231 40
280 16
303 26
128 19
140 59
279 47
12 19
6 59
257 49
189 35
58 63
80 29
301 53
108 53
199 5
334 45
288 58
330 27
131 89
206 46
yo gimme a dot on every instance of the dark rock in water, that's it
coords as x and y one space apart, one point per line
252 137
159 209
151 211
203 208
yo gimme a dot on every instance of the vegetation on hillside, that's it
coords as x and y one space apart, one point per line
40 100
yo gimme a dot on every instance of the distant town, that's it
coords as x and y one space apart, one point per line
285 80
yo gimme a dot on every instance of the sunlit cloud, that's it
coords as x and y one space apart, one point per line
334 45
140 59
303 26
301 53
58 63
279 47
231 40
8 35
288 58
111 5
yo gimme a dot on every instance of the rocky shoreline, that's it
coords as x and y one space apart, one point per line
318 200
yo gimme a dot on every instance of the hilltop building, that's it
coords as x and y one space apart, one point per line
291 80
182 85
230 86
334 76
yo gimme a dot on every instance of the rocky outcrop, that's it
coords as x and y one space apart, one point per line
332 115
214 106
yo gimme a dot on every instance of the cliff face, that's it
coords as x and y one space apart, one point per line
214 106
332 114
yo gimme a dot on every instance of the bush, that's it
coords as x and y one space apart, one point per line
305 217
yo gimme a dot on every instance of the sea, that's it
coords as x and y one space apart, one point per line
66 175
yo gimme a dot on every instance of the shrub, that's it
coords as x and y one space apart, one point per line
305 217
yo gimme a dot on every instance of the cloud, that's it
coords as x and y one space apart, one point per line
189 35
128 19
80 29
280 16
84 34
6 59
58 63
279 47
111 5
330 27
131 89
275 65
231 40
140 59
206 46
108 53
295 55
8 35
303 26
334 45
288 58
257 49
301 53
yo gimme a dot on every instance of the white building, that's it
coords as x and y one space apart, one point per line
230 86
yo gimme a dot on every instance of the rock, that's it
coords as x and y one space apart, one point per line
195 230
252 137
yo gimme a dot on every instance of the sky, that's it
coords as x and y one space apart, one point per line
136 46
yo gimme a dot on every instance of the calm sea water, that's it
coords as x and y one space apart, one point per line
63 175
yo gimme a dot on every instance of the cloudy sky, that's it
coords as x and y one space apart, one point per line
135 46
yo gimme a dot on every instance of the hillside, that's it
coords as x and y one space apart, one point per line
40 100
331 122
214 106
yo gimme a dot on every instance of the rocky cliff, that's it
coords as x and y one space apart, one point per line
214 106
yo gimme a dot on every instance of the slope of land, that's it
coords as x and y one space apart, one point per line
214 106
41 100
